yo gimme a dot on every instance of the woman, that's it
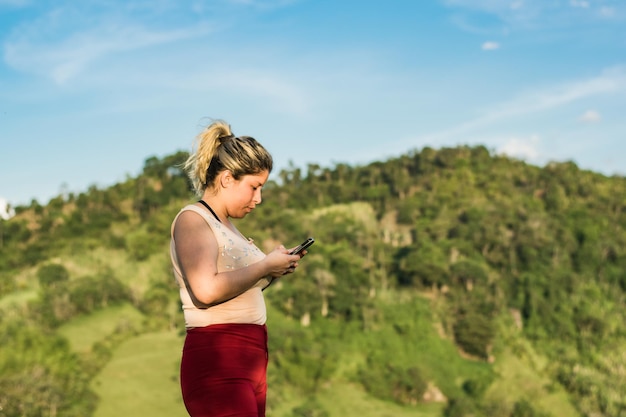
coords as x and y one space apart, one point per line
221 275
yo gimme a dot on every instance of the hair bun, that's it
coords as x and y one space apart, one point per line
226 138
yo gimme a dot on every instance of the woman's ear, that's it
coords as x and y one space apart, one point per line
226 179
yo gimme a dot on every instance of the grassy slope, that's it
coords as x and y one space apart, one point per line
518 379
340 396
17 298
350 401
84 331
142 378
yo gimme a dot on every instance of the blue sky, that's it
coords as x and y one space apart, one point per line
90 89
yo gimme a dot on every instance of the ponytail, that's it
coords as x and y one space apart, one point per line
218 150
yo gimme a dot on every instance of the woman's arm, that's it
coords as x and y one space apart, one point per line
197 252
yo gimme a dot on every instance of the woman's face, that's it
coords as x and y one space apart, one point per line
244 194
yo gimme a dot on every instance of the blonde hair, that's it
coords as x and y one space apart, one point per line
219 150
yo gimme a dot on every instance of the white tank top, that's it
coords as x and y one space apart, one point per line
234 252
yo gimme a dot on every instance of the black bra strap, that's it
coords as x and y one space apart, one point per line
204 203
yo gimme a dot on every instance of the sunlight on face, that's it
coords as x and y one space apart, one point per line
245 194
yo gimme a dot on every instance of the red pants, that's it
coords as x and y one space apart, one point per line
223 370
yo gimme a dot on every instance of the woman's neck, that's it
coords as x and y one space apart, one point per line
217 210
208 207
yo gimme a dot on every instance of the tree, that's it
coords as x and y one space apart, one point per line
524 408
390 382
51 276
460 407
94 292
474 334
39 375
468 273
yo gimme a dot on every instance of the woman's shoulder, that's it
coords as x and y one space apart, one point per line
191 216
191 207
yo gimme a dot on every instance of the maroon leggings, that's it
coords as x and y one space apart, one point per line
223 370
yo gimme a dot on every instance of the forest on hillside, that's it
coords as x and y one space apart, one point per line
433 274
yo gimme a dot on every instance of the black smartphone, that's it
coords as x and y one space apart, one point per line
302 246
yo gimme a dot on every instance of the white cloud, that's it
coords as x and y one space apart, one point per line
493 6
36 49
607 12
490 46
14 3
538 102
612 80
510 12
275 91
521 148
590 116
579 3
263 3
535 15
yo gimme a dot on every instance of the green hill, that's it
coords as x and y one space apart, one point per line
448 282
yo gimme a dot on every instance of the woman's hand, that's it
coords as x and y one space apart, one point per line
279 262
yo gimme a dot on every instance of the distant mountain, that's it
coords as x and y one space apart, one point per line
447 282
